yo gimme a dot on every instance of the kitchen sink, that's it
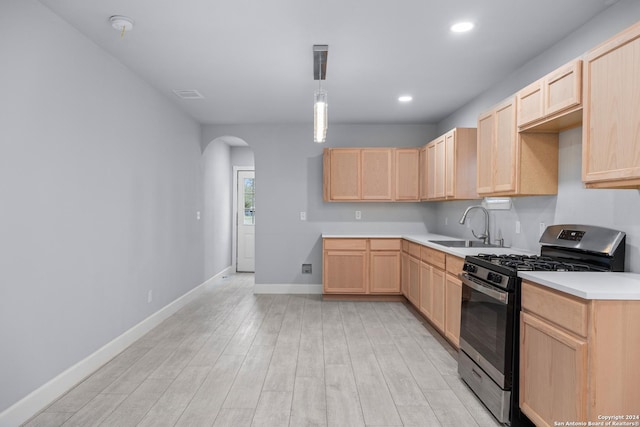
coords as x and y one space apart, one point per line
463 244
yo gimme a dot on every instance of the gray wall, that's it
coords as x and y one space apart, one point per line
288 168
218 160
217 185
616 209
99 185
242 156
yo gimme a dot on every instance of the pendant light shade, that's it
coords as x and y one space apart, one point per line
320 116
320 106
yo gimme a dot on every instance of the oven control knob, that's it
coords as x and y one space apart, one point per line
470 268
495 278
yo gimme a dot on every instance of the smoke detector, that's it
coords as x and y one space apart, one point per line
121 23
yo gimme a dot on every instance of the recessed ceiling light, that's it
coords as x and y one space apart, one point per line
405 98
462 27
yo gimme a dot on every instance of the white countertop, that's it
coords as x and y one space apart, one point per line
589 285
586 285
424 240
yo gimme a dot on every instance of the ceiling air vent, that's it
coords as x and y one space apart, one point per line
188 94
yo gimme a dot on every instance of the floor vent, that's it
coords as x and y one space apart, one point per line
188 94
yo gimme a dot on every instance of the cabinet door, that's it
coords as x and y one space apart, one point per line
553 373
345 172
344 272
377 172
384 274
407 174
530 101
611 141
404 274
414 281
438 298
426 291
431 170
423 173
439 191
563 88
450 164
505 148
486 129
453 302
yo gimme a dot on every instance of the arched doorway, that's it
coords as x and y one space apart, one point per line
223 158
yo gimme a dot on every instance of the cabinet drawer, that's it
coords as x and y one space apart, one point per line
405 245
433 257
414 249
564 310
384 244
454 264
346 244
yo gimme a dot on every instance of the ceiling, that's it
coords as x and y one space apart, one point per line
252 60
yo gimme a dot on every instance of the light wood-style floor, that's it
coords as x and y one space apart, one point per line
232 358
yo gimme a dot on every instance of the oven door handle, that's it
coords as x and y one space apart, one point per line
500 296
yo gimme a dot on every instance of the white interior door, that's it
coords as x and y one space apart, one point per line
246 220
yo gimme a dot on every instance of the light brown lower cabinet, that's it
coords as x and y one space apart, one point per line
384 272
578 358
453 301
439 304
361 266
410 271
426 290
432 291
344 266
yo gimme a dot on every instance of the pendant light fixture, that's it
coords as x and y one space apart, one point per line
320 119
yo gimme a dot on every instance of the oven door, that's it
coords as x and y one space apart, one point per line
486 328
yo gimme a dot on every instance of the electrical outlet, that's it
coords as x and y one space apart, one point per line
306 268
303 216
149 296
517 227
198 215
358 215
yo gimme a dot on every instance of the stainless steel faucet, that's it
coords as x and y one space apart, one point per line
484 236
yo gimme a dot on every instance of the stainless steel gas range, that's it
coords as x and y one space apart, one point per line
489 328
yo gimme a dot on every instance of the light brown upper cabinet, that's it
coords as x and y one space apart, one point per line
435 169
460 164
371 174
610 136
342 174
450 167
424 185
552 103
407 174
377 173
512 163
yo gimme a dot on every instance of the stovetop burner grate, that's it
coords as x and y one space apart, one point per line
537 263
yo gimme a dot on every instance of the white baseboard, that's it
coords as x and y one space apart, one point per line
43 396
287 288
